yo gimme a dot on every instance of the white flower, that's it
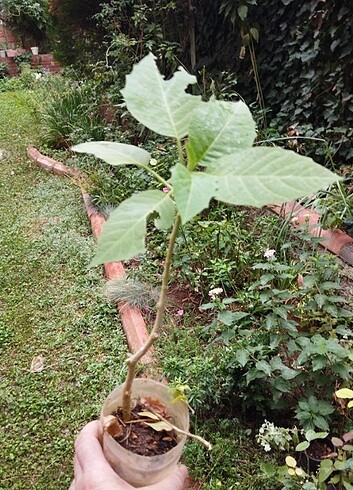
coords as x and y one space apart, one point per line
269 253
215 292
267 447
37 76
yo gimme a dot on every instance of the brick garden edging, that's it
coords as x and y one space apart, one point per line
336 241
133 324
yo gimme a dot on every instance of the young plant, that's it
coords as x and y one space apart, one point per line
336 466
216 161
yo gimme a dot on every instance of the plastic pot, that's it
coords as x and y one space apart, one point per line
317 451
34 50
140 470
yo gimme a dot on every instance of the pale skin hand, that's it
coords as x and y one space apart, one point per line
93 472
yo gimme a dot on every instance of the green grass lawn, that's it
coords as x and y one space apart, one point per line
51 305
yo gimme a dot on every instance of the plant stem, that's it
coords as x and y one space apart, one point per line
134 359
180 152
155 174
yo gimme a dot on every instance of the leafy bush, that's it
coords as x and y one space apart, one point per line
220 247
304 59
28 18
72 115
4 70
23 60
275 344
24 81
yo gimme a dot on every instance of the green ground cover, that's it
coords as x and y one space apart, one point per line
51 305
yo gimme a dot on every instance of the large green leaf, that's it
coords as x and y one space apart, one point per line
218 128
115 153
260 176
123 235
161 105
192 191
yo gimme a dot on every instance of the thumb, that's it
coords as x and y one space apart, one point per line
174 481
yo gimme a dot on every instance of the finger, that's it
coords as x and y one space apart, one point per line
72 486
88 450
174 481
77 467
90 462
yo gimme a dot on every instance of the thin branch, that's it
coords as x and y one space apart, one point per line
184 432
155 174
133 360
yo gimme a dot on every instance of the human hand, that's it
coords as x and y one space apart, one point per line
93 472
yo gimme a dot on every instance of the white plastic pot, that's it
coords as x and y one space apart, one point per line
144 470
34 50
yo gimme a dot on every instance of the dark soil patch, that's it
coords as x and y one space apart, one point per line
182 295
140 438
319 450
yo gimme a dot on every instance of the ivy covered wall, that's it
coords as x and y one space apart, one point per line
302 51
305 60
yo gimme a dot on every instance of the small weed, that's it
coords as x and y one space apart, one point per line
132 292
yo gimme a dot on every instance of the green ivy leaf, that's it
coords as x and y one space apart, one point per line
123 235
264 367
259 176
319 362
115 153
243 12
161 105
242 356
192 191
218 128
281 385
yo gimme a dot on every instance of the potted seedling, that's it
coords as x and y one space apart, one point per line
217 160
316 447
